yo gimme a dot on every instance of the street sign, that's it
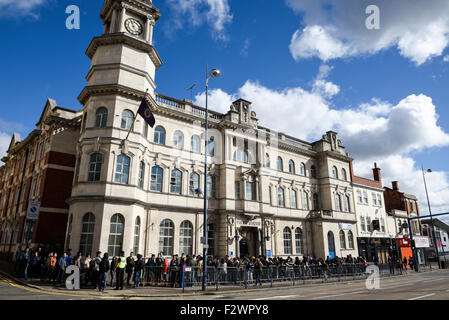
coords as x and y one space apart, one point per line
33 210
268 253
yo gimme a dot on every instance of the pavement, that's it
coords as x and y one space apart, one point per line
433 284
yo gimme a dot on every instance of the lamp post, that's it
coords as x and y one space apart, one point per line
213 74
430 212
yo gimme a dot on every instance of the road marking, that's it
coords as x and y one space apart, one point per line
338 295
402 285
427 295
277 297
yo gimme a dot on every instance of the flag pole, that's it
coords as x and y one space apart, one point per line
134 120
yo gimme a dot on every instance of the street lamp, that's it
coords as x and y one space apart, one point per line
430 212
213 74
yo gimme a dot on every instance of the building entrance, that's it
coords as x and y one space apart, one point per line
249 245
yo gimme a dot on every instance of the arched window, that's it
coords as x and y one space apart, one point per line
267 160
241 156
122 170
194 183
298 241
69 231
178 140
293 199
291 167
95 167
350 240
343 174
211 186
186 238
195 144
87 234
101 117
141 174
211 147
316 202
117 226
127 119
279 164
334 172
342 240
281 202
159 135
166 237
211 239
347 203
287 241
305 200
331 243
313 172
156 179
136 236
302 169
176 182
337 202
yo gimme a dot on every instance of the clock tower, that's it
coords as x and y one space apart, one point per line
122 73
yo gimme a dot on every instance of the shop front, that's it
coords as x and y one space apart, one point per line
375 249
405 248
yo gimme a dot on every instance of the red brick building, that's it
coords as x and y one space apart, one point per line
39 168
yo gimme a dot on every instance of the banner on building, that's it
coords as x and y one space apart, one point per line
345 226
421 242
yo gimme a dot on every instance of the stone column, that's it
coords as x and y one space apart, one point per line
112 27
121 20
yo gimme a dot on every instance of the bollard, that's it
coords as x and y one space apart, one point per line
216 279
182 277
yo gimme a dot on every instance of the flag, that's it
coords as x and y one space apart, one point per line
146 113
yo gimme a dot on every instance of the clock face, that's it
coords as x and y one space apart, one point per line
133 26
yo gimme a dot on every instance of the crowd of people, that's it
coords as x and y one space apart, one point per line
159 270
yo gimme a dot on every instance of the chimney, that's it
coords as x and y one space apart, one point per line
376 173
395 185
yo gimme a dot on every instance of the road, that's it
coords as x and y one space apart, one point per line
422 286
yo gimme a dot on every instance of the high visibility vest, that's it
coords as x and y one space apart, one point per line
122 263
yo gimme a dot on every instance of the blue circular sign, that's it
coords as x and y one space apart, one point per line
33 209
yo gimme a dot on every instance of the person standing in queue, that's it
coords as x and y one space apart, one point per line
120 271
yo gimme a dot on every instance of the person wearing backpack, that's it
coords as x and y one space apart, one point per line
104 269
138 267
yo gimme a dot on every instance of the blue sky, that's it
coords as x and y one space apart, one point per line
308 66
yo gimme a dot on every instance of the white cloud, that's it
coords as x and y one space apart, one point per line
377 131
20 7
5 140
336 29
215 12
446 58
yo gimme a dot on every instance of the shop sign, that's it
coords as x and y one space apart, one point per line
241 223
421 242
345 226
403 242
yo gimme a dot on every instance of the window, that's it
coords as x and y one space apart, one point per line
211 187
237 190
373 195
178 140
159 135
176 182
293 199
194 183
166 237
211 147
145 130
281 202
347 204
334 172
298 241
241 156
350 240
87 234
95 167
305 200
365 197
382 225
279 164
69 231
211 239
122 171
337 202
101 117
302 169
368 224
313 172
267 160
291 167
186 238
359 196
156 179
379 200
342 240
136 236
316 202
287 241
195 144
343 174
270 191
249 191
127 119
115 244
141 175
331 242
